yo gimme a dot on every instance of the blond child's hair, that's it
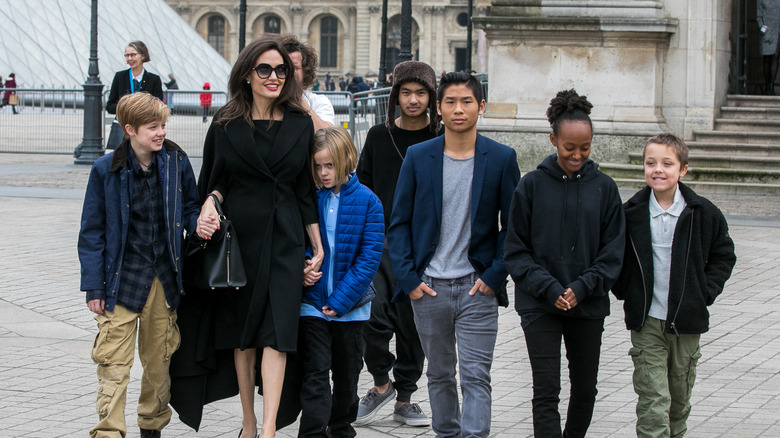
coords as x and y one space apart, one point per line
342 150
671 141
139 109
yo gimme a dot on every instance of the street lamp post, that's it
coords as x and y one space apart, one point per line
241 25
468 37
383 47
406 31
91 147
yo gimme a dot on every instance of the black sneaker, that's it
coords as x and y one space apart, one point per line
370 405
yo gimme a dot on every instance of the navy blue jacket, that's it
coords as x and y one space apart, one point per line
105 218
415 224
565 233
702 260
360 234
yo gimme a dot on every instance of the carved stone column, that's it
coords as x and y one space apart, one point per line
612 51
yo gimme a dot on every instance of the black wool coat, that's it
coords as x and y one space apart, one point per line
120 86
269 203
702 260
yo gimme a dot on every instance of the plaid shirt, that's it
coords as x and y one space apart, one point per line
146 255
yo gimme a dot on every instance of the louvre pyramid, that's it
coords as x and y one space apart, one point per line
46 43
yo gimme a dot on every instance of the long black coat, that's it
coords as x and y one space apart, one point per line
268 202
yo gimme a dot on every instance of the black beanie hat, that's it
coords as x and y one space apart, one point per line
413 71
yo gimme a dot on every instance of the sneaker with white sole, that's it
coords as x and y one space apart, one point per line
411 414
370 405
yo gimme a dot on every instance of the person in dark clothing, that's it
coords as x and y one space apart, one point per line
136 78
170 85
678 257
342 84
380 162
10 83
564 250
130 81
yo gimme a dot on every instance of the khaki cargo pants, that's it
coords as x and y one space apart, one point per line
113 351
664 373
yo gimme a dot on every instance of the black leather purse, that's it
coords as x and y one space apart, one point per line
215 263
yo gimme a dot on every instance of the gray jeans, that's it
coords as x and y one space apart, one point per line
453 318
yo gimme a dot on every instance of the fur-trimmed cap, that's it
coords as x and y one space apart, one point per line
413 71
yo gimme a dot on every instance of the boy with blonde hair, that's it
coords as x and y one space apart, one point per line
139 201
678 257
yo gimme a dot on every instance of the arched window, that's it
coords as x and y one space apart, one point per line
217 33
272 24
329 41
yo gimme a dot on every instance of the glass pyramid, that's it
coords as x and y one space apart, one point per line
46 43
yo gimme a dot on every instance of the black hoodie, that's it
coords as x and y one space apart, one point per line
565 233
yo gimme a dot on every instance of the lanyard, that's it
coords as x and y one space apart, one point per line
132 87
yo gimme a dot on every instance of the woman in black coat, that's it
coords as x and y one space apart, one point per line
256 162
134 79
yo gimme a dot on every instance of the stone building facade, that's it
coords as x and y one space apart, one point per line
346 33
648 66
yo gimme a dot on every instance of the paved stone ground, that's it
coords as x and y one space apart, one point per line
47 380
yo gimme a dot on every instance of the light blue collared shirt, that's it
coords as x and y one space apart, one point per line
662 225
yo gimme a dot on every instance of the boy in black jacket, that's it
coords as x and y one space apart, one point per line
678 257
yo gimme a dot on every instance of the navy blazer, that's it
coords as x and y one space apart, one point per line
415 224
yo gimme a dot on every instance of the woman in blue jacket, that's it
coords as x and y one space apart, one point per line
333 313
564 250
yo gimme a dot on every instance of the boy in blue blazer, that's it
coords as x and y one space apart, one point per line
446 239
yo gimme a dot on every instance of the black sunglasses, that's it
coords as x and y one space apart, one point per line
264 71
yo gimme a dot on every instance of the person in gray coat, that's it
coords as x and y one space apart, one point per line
768 18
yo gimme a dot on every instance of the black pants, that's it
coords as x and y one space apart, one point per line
326 346
387 319
583 348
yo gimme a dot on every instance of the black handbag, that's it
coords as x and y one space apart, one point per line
215 263
115 136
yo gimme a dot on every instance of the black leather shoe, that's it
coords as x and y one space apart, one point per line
146 433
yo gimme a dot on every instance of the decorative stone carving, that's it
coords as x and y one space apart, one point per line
373 9
296 9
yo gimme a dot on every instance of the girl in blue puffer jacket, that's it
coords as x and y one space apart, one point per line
333 310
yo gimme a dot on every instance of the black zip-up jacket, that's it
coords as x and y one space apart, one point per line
564 232
702 260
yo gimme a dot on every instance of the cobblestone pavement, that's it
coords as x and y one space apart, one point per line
47 380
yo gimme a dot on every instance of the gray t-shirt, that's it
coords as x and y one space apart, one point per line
450 260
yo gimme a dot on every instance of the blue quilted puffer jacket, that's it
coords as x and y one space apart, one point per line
360 235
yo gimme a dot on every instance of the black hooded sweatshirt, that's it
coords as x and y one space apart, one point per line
564 233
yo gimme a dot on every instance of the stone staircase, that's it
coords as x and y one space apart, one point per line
741 155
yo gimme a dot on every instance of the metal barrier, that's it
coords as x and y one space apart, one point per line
185 126
47 121
51 121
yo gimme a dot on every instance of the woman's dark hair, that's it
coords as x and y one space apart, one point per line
140 47
240 104
456 78
568 105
